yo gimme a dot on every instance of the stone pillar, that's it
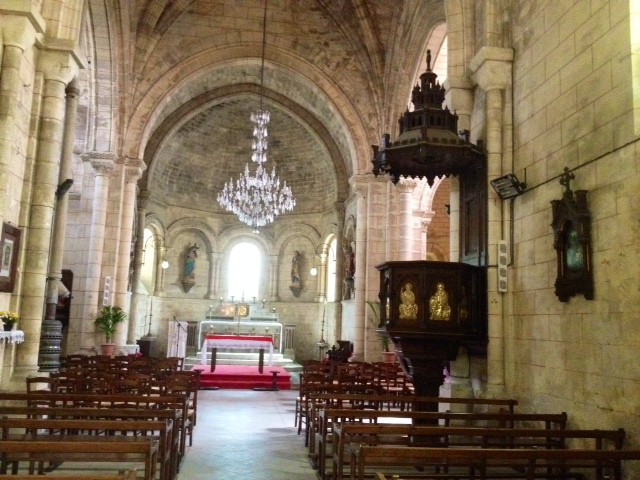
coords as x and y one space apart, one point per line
58 69
51 333
132 174
18 35
339 279
360 187
158 286
103 164
424 232
215 290
143 200
273 279
321 279
405 226
492 71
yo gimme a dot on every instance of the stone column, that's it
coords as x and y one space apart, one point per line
492 72
58 69
18 35
131 176
405 224
273 279
51 333
360 187
322 276
136 287
424 232
103 164
215 289
158 286
339 279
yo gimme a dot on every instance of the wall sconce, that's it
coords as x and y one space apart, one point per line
156 241
325 246
508 186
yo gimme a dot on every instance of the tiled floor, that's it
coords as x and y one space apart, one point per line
244 434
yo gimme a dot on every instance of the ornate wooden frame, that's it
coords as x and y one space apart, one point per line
9 247
572 242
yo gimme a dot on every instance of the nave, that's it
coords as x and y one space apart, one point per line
244 434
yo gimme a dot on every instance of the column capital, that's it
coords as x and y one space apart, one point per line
21 27
143 199
407 186
491 68
360 184
132 174
58 65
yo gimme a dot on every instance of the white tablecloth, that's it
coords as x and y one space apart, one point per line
13 336
233 342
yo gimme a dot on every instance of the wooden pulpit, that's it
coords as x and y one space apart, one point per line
430 309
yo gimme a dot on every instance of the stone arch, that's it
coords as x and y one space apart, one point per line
344 116
188 109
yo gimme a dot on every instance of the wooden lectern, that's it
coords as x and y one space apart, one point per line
430 309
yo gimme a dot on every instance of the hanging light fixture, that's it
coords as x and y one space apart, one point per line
258 198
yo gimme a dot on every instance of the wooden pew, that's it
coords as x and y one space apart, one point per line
93 449
45 429
318 401
489 463
340 418
129 475
348 435
155 402
87 413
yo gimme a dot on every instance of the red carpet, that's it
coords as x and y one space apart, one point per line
243 377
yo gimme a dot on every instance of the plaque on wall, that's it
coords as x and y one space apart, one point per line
572 242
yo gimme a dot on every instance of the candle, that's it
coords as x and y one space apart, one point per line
151 309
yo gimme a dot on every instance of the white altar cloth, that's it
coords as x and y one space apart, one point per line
13 336
235 342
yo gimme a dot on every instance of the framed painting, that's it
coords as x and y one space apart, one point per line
9 248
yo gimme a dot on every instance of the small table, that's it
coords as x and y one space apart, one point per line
236 342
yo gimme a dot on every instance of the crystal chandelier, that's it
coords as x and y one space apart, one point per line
258 198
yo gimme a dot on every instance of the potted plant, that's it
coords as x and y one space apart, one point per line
107 322
9 319
385 341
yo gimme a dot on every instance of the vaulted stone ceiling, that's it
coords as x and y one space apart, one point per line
331 67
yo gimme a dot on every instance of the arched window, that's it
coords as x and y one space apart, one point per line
331 271
245 261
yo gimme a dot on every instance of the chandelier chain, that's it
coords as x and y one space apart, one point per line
258 198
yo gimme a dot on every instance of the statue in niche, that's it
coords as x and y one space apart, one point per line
189 278
295 286
439 304
349 270
408 307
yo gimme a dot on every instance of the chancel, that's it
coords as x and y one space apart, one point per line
247 176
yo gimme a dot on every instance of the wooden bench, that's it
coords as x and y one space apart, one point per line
342 430
145 402
319 401
408 435
107 414
57 449
490 463
129 475
45 429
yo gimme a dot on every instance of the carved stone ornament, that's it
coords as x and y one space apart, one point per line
572 242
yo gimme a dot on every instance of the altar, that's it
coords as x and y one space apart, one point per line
236 342
255 327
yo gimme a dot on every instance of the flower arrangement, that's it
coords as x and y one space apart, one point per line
9 319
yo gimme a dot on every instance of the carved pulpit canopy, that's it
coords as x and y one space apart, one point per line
572 242
428 145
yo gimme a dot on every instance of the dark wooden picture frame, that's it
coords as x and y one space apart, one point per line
572 242
9 249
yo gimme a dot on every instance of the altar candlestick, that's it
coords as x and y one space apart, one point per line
151 310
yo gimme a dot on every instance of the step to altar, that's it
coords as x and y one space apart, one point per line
244 377
242 358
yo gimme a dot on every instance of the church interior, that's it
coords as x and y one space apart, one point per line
457 176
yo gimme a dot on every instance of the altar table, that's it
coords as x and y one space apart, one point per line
236 342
